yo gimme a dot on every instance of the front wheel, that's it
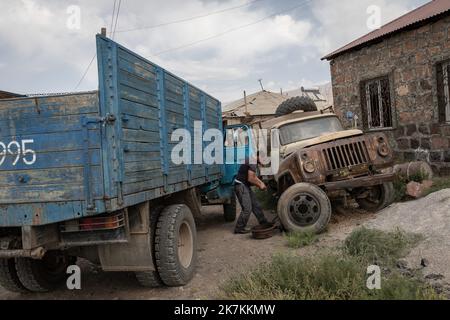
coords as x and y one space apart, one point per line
304 207
375 198
176 245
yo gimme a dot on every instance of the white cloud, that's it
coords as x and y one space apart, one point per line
344 21
39 54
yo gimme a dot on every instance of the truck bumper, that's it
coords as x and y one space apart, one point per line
368 181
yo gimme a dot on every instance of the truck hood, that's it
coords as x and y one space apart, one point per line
293 147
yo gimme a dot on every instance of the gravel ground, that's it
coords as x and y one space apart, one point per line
223 254
429 216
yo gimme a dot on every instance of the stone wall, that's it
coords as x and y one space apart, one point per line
409 59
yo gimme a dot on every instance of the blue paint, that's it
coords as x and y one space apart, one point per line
103 151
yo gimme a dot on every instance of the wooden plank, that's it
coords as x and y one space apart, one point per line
142 166
62 141
141 147
140 176
72 175
46 193
138 123
49 106
133 81
124 55
20 126
130 135
137 67
141 156
135 187
139 110
131 94
61 159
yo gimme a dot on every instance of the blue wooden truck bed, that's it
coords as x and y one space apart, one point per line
70 156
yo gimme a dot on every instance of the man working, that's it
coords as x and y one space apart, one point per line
247 177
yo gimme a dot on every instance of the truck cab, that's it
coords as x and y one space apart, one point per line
320 164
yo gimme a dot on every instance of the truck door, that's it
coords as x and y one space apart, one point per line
239 145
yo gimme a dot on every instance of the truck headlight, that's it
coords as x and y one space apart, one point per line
309 166
383 150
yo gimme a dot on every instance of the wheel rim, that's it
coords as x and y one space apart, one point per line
185 245
304 209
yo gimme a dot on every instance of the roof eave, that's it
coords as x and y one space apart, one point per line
412 26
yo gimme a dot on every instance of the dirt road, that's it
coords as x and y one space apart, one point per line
221 254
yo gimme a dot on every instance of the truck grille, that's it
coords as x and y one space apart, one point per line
346 155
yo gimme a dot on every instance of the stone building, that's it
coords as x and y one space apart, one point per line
396 79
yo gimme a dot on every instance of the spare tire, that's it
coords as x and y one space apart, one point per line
296 104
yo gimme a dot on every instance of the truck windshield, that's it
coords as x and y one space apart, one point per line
308 129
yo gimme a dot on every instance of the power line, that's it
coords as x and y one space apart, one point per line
117 19
85 73
95 55
112 18
190 18
231 30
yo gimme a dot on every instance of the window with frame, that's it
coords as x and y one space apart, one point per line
443 88
376 103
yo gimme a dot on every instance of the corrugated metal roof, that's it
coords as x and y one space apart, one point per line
258 104
8 95
419 15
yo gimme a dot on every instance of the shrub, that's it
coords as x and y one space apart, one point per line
332 276
297 240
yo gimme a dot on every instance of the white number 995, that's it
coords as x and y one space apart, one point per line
18 151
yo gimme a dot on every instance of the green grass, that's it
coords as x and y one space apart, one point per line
439 183
379 247
339 275
297 240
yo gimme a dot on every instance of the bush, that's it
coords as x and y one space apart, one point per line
379 247
297 240
331 276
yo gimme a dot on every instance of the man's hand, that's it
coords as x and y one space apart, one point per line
262 186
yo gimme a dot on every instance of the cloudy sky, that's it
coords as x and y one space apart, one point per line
223 47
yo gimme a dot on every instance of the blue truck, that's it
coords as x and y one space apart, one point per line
89 175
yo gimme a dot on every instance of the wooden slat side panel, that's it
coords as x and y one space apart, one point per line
52 170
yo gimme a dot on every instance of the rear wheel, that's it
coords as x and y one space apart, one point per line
176 245
43 275
151 279
376 198
8 276
229 210
304 207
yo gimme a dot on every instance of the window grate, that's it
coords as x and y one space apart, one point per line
378 103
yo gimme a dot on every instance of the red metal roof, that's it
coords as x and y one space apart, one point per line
419 15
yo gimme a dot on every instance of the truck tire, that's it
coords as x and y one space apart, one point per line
176 245
148 279
296 104
8 277
304 207
380 197
43 275
229 210
151 279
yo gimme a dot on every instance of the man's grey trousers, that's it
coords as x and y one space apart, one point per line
249 204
